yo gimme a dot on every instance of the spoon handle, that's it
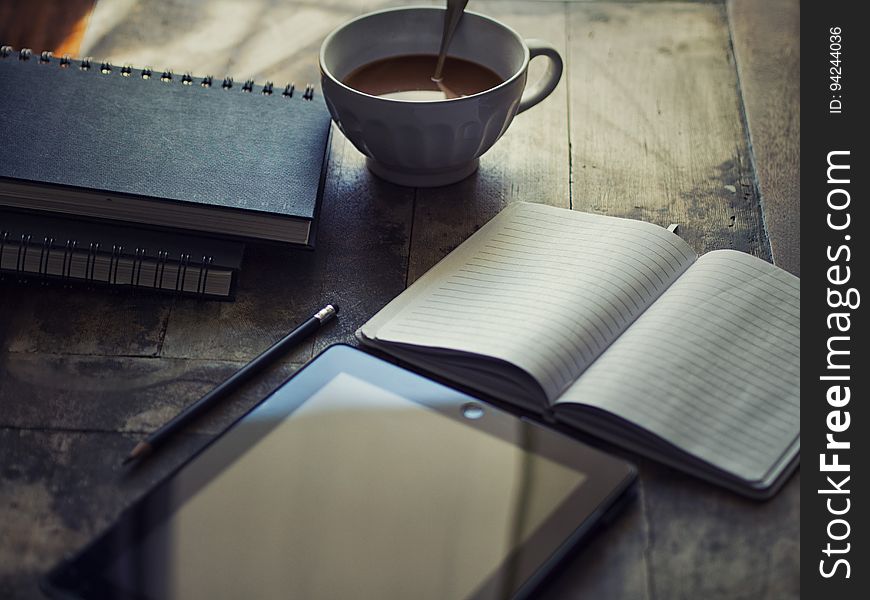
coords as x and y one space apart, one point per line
455 9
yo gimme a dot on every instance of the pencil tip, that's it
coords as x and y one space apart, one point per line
140 449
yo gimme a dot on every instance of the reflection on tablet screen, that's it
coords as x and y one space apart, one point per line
359 493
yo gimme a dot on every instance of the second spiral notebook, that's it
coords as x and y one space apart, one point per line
234 160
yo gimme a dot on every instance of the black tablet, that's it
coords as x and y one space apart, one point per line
356 479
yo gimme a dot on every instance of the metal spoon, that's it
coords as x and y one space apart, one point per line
455 10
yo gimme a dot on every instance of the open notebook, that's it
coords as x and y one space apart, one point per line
619 329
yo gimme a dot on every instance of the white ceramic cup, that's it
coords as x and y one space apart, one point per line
430 143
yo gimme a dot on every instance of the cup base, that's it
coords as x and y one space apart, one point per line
425 178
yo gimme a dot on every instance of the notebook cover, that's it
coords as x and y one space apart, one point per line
108 129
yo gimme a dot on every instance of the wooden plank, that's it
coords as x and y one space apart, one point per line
766 37
60 489
40 318
529 163
707 543
656 128
124 394
366 229
277 288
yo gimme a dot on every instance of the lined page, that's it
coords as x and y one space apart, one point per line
543 288
713 366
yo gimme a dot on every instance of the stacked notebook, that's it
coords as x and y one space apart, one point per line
73 251
617 328
157 176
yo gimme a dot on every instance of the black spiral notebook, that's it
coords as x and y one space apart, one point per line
229 159
63 250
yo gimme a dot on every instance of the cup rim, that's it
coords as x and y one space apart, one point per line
324 71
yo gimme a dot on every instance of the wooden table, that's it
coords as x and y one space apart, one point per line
672 112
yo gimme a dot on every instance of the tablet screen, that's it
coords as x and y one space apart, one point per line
357 493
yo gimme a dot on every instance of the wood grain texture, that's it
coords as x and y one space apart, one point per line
124 394
656 128
704 543
59 489
529 163
278 287
38 318
766 37
365 232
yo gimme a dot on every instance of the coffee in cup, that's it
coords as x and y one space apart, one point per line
435 140
409 77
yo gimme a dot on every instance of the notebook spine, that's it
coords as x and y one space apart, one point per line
165 76
18 251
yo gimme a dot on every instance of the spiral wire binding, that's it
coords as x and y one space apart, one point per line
136 271
117 253
44 255
204 266
23 246
166 76
68 253
4 237
91 264
181 274
160 268
70 248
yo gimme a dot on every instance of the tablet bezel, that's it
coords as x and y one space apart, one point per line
607 478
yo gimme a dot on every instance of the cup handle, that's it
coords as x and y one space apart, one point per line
547 83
